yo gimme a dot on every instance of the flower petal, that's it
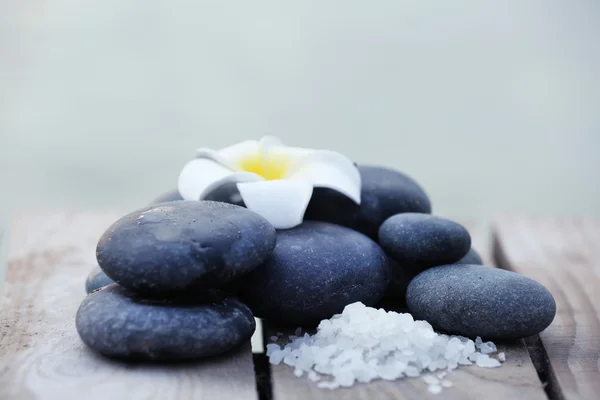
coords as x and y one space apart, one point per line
328 169
281 202
214 155
241 154
201 176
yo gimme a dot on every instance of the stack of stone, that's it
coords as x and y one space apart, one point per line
167 257
171 262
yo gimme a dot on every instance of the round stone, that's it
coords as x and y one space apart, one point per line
119 324
172 195
472 258
400 277
384 192
474 300
316 269
97 279
184 245
424 239
227 193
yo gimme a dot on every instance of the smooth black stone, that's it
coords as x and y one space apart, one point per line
423 239
472 258
184 245
96 280
400 277
384 192
316 270
119 324
227 193
172 195
474 300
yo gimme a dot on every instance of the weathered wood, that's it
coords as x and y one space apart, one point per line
41 355
516 379
564 256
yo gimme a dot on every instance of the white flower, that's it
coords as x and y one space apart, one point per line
275 181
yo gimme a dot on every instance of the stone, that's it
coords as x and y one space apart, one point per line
472 258
172 195
119 324
97 279
400 277
227 193
475 300
316 269
423 239
184 245
384 192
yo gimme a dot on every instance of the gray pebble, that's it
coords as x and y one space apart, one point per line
119 324
424 239
184 245
97 279
474 300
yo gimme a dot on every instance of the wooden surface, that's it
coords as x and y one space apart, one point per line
515 379
563 255
41 355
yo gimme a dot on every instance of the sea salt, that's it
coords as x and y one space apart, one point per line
363 344
502 357
435 389
488 348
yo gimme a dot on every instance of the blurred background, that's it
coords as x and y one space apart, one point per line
492 106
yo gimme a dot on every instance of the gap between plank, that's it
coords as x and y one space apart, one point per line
535 346
262 368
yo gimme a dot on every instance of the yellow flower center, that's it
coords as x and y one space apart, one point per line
270 168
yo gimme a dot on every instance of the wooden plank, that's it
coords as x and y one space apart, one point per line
516 379
41 355
563 255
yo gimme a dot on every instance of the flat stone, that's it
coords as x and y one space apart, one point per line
119 324
184 245
423 239
172 195
384 192
472 258
316 269
474 300
97 279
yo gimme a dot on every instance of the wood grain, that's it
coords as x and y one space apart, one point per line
516 379
564 256
41 355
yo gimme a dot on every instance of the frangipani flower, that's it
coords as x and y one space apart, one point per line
274 180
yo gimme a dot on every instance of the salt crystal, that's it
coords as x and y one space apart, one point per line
485 361
430 379
363 344
478 342
502 356
276 357
273 338
435 389
488 348
271 347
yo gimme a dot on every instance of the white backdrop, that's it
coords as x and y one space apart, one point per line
492 106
